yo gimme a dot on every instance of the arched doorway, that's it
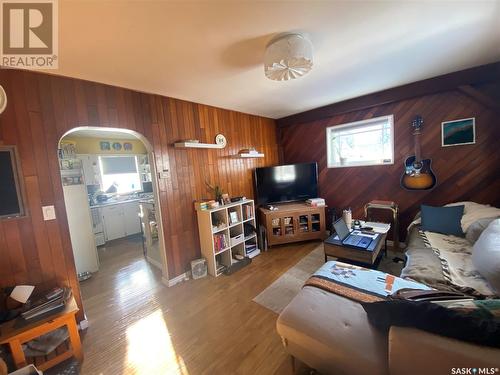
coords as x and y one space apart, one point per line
108 178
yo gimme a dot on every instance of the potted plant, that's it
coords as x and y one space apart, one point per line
217 191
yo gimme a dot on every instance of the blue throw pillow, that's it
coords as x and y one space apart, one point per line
445 220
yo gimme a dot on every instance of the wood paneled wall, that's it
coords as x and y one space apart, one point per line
41 108
469 172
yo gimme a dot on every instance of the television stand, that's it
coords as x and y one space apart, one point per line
292 222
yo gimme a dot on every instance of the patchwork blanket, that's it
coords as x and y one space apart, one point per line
455 255
358 283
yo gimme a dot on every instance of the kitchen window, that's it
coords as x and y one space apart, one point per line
360 143
120 174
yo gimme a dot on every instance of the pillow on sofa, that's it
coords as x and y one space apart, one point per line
486 255
445 220
433 318
476 228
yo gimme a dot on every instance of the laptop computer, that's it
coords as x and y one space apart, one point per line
348 239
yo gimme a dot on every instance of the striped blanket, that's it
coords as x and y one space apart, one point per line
455 255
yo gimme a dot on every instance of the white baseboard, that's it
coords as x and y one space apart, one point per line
176 280
154 263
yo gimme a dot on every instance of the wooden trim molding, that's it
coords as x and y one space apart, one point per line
467 77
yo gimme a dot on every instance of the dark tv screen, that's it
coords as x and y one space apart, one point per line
10 199
286 183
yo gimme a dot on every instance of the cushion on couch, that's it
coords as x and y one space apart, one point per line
445 220
476 228
486 254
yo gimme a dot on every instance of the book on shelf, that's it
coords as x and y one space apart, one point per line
247 211
250 251
220 242
250 247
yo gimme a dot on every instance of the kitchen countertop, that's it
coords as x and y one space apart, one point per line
112 202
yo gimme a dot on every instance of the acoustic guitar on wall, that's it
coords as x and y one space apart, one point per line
418 174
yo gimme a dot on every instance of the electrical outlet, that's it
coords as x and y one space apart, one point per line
164 174
49 213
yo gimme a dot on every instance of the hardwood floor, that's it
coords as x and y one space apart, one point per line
206 326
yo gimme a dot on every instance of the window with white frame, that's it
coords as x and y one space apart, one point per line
120 171
366 142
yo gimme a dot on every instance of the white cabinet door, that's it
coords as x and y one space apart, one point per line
131 218
113 222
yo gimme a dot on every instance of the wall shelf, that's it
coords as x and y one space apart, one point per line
220 142
197 145
250 155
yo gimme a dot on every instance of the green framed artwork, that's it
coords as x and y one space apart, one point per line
458 132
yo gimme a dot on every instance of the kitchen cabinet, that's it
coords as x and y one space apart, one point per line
113 222
131 218
121 220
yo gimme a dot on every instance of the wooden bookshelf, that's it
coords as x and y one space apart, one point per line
222 234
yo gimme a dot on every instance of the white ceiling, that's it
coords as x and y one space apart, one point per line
211 52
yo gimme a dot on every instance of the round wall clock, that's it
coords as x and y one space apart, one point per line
220 140
3 99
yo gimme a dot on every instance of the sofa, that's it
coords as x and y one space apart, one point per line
332 334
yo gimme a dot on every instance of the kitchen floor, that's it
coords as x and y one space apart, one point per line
206 326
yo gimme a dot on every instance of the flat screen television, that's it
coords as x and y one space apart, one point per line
286 183
11 202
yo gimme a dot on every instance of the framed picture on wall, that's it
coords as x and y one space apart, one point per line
458 132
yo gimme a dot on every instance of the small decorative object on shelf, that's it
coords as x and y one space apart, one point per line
105 146
233 217
67 150
316 202
226 199
250 153
217 192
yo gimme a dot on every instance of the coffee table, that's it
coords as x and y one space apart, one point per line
371 259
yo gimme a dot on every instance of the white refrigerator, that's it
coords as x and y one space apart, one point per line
81 229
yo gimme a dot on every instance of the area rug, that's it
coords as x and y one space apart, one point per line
281 292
